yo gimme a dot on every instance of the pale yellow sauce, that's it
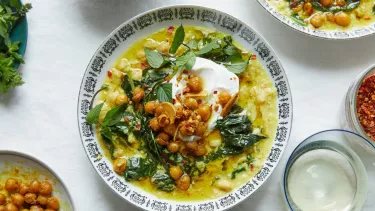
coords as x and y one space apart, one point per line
257 95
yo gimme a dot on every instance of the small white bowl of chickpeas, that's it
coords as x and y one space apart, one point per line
27 184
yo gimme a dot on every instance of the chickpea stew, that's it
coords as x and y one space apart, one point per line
186 114
340 15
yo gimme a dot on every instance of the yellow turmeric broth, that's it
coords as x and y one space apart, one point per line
257 96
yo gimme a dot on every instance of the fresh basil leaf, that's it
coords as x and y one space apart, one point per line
239 67
154 58
114 116
179 37
193 44
151 77
188 59
164 93
93 115
207 48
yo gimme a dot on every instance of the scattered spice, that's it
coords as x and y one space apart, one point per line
366 106
109 73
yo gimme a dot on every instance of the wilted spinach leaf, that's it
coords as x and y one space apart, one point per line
150 77
163 182
140 167
114 116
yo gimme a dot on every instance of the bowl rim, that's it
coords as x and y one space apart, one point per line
114 31
368 27
284 174
43 164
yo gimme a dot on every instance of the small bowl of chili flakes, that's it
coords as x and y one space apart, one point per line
359 108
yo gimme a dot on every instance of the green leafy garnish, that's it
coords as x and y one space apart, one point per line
163 182
298 20
140 167
188 59
179 37
114 115
236 171
10 13
164 93
193 44
154 58
239 67
93 115
209 47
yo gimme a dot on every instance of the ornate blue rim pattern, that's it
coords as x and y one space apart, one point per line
337 35
201 16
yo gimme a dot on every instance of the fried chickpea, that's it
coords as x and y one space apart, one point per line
154 124
121 99
316 21
141 55
179 111
36 208
191 103
195 84
205 112
2 208
24 188
192 145
308 8
42 200
45 188
11 207
162 139
341 3
201 129
2 199
30 198
170 129
224 97
138 94
11 185
163 120
17 199
201 150
330 17
187 130
159 110
150 107
326 3
175 172
34 186
342 19
119 165
53 203
183 183
173 146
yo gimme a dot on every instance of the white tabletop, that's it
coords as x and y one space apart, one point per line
40 117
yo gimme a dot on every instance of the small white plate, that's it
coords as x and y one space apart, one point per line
28 166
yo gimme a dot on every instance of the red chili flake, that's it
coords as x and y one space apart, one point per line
215 92
199 101
216 107
170 30
126 120
143 65
109 73
174 101
230 78
367 18
168 78
251 167
185 71
253 57
138 126
366 106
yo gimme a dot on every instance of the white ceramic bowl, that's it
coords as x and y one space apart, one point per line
336 35
29 165
144 24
